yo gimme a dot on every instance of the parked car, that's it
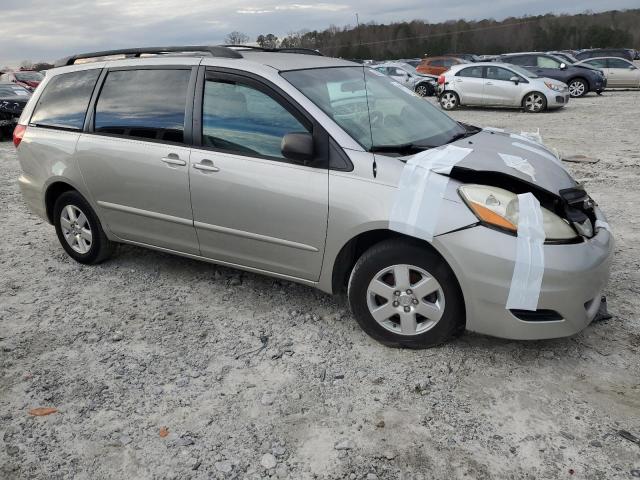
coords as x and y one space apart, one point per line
580 79
406 75
620 73
500 85
315 170
13 99
567 57
604 52
469 57
26 78
438 65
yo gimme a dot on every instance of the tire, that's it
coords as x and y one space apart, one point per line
578 88
449 100
423 90
79 230
399 321
534 102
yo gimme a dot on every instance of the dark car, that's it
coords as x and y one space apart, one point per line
13 98
25 78
580 79
605 52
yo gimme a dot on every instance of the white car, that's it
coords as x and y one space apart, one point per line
491 84
620 73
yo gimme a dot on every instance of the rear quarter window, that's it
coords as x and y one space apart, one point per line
65 99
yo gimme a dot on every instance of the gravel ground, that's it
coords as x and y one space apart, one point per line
162 367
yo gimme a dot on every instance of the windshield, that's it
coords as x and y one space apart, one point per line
522 71
375 110
13 91
29 76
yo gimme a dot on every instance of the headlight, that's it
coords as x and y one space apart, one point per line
553 86
498 207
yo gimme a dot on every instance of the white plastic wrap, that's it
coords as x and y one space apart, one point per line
416 206
519 163
526 282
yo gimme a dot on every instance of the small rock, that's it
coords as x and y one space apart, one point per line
389 455
635 473
196 465
372 476
595 443
267 398
380 424
117 336
345 444
184 441
567 435
513 450
339 376
93 338
182 382
282 471
12 450
224 466
278 450
125 439
268 461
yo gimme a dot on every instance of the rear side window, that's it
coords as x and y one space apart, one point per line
147 104
65 100
617 63
472 72
524 60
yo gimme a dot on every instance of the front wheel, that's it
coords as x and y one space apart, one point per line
578 88
449 101
404 295
79 230
534 102
423 90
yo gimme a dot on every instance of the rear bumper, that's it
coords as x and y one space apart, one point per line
575 276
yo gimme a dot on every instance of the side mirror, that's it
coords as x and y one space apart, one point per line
297 147
563 66
515 80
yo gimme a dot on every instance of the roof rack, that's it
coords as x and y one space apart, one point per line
214 51
299 50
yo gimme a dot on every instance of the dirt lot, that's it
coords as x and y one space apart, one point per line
149 341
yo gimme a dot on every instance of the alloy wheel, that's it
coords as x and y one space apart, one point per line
76 229
405 299
421 90
448 101
534 102
576 88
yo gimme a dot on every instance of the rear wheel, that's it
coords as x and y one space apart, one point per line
449 100
534 102
423 90
578 88
79 230
404 295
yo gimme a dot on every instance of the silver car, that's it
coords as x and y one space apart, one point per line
500 85
407 75
620 73
319 171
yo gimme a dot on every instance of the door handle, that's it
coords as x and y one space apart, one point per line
206 166
173 159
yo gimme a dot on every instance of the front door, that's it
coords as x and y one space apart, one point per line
253 207
499 89
622 74
135 160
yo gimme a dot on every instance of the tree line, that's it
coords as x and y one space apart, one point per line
615 28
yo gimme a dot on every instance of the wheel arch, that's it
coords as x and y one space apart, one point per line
53 192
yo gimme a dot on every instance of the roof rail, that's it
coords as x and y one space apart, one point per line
300 50
214 51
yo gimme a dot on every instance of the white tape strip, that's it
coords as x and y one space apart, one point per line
519 163
540 151
602 224
529 267
529 136
416 206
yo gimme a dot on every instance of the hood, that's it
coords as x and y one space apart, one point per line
516 156
587 67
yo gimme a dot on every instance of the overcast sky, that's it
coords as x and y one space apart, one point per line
48 29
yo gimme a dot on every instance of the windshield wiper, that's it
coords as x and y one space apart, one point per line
468 131
404 148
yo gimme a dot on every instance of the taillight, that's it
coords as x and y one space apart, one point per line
18 133
441 80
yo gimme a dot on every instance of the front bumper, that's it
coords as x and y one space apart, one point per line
574 278
557 99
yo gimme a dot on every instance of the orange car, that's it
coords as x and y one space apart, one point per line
438 65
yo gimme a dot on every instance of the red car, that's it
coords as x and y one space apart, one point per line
25 78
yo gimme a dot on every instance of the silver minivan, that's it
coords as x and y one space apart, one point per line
319 171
